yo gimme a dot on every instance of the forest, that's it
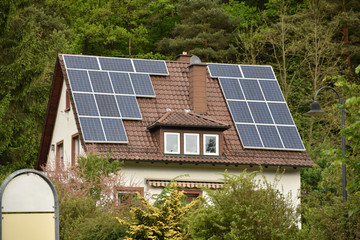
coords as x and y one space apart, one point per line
309 43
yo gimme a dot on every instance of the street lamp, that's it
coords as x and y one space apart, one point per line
316 111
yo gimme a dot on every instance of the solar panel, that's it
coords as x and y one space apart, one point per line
79 80
85 104
251 89
270 136
224 70
107 105
290 137
114 130
271 90
264 72
240 111
249 135
281 113
260 112
257 107
121 83
81 62
100 82
155 67
129 107
105 94
116 64
92 129
231 88
142 85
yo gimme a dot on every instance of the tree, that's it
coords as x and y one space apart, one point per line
166 221
205 30
29 45
244 209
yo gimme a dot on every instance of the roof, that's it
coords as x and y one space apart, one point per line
172 92
187 119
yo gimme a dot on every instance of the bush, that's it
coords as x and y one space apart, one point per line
244 209
87 206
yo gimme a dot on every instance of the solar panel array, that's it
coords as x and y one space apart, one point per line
258 108
105 91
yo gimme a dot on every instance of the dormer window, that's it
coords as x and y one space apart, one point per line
211 144
191 143
172 142
189 134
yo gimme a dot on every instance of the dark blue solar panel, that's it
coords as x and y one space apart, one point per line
81 62
281 113
79 80
240 111
264 72
107 105
91 129
129 107
85 104
142 85
249 135
251 89
121 83
150 66
116 64
271 90
269 136
114 130
231 88
260 112
224 70
100 82
290 137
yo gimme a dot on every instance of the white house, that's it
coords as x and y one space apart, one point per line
169 118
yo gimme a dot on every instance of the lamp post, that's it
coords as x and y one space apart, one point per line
316 111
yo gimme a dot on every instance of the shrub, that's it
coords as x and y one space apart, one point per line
244 209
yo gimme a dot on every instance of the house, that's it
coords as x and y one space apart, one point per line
169 118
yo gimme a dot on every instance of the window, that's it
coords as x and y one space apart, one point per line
75 148
192 194
211 144
129 195
60 155
172 143
191 143
67 101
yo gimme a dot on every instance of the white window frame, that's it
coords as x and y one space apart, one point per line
166 134
217 144
197 142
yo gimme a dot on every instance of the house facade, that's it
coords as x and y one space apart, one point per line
166 119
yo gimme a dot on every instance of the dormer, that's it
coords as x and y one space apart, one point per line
189 134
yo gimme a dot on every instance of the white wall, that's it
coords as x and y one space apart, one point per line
135 174
65 127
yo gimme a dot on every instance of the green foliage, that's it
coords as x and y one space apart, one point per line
244 209
94 169
205 30
29 45
164 222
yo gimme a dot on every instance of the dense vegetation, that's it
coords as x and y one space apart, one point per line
310 43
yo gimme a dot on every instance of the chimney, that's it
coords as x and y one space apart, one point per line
197 79
184 57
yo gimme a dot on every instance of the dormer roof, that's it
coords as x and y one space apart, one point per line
188 120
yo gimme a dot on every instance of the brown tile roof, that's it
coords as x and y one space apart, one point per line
187 119
173 92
